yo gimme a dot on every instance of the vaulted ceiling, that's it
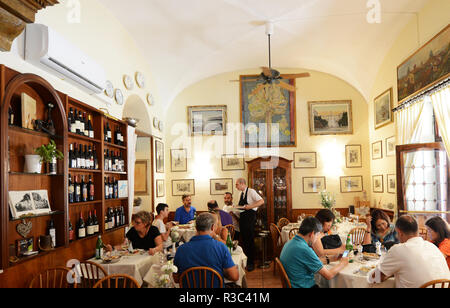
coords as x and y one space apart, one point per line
186 41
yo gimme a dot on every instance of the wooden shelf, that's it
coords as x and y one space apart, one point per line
80 137
38 255
118 199
115 229
112 145
35 174
85 203
32 132
38 215
115 172
84 170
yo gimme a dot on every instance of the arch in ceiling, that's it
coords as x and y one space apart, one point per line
136 108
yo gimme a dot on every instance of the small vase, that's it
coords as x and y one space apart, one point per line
51 167
32 164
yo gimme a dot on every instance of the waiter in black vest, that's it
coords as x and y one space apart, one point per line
250 201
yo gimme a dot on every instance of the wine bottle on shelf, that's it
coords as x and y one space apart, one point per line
72 162
109 160
77 190
121 137
113 218
90 225
80 161
94 154
87 161
106 160
111 195
114 161
71 232
116 136
69 119
90 158
77 123
117 217
105 134
90 128
106 221
85 125
71 190
73 124
91 189
81 227
106 189
84 189
108 132
123 220
116 189
52 232
80 116
95 221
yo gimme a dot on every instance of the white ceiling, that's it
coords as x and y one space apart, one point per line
186 41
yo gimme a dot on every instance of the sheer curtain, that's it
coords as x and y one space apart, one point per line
441 105
131 152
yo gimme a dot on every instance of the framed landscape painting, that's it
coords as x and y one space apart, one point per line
383 109
207 120
390 146
426 67
178 160
233 162
351 184
313 185
305 160
391 184
183 187
267 114
330 118
220 186
377 182
377 150
353 156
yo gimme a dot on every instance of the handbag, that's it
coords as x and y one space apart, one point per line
331 241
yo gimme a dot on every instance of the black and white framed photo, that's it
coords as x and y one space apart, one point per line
305 160
390 146
20 203
377 150
178 160
159 156
353 156
220 186
377 182
41 202
207 120
160 188
391 183
313 185
183 187
233 162
350 184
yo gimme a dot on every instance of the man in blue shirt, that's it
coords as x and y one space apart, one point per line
301 262
185 213
203 250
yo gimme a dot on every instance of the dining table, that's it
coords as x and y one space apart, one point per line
186 231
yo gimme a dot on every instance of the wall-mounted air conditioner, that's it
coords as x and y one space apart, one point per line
46 48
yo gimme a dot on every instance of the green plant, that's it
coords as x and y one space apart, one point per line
49 152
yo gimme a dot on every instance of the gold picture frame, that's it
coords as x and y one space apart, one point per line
207 120
382 106
330 117
140 178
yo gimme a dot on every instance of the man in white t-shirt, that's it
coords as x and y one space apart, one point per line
162 211
250 201
230 209
414 261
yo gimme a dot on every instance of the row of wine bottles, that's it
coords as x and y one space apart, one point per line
83 159
115 217
118 137
80 124
111 188
80 189
114 161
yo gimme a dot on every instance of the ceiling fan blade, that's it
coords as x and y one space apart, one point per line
246 80
257 88
287 86
293 76
266 71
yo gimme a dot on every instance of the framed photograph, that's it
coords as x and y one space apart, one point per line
330 118
159 156
305 160
233 162
140 177
178 160
383 109
391 183
24 246
207 120
353 156
160 188
377 182
426 67
123 189
41 202
314 184
183 187
20 203
268 114
390 146
377 150
350 184
28 111
220 186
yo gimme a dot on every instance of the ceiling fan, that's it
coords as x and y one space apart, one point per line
270 75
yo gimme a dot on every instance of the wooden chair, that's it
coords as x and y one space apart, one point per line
54 278
292 233
189 278
441 283
230 230
357 235
284 277
283 222
90 273
276 242
121 281
423 233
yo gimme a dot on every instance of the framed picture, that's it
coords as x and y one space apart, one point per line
140 177
233 162
267 113
159 156
178 160
377 150
28 111
383 109
20 203
351 184
220 186
160 188
390 146
377 182
207 120
24 246
330 117
183 187
304 160
391 183
426 67
123 189
353 156
41 202
314 184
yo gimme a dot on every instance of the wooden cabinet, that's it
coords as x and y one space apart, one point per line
271 178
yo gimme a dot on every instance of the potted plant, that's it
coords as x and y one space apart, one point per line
49 154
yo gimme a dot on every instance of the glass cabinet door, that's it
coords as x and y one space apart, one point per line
279 194
259 183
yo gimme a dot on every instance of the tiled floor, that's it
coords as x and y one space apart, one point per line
263 278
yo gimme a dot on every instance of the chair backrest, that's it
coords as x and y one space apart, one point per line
121 281
230 230
284 277
441 283
200 277
423 232
276 238
283 222
90 273
357 235
293 232
54 278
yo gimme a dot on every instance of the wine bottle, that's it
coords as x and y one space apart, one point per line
73 125
91 189
229 243
105 134
87 161
99 248
106 189
84 189
90 225
71 190
52 232
71 232
117 217
90 128
81 227
105 160
116 189
69 119
72 161
108 132
77 123
116 136
77 190
95 159
110 187
95 219
122 212
109 160
85 125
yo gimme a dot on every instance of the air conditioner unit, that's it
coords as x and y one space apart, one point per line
48 49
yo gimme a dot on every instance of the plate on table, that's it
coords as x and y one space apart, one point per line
110 259
370 256
364 270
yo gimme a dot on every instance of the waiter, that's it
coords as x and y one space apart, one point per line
250 201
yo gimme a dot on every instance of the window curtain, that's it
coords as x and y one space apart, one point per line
441 105
131 152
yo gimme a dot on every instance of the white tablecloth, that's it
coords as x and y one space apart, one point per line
285 231
186 234
240 259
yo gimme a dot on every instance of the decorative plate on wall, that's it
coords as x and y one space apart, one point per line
119 96
150 99
160 126
109 90
140 80
155 122
128 82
